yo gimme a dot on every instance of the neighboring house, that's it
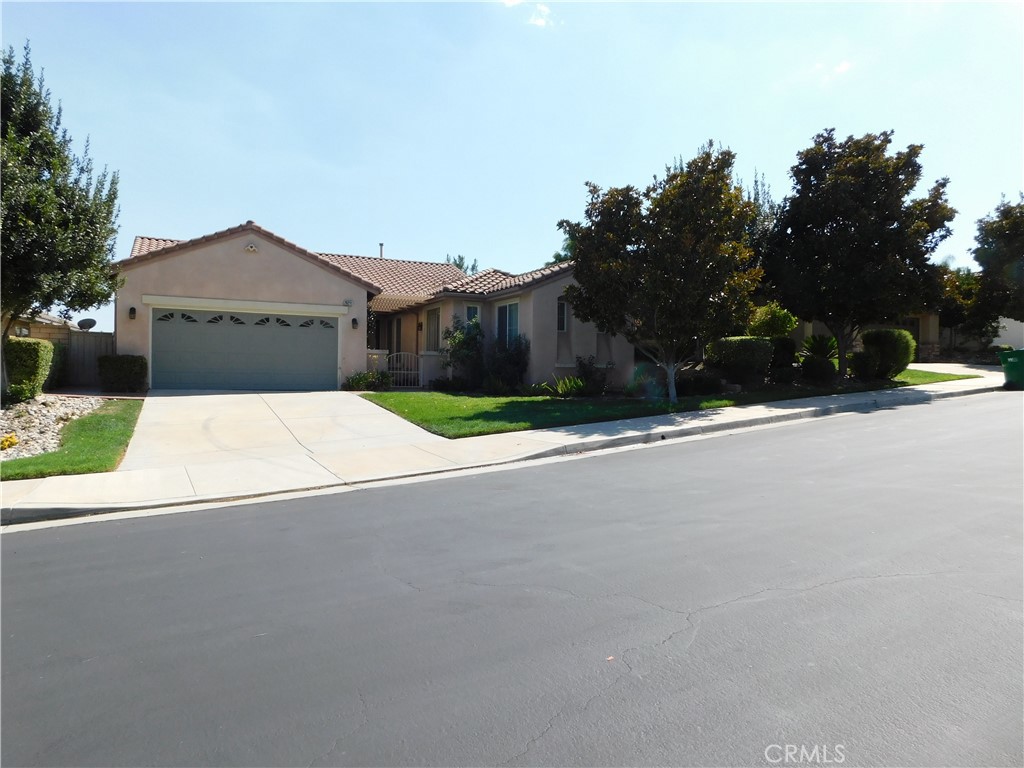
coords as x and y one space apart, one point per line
43 326
924 327
81 348
1010 332
246 309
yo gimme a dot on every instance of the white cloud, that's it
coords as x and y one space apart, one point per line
541 16
841 67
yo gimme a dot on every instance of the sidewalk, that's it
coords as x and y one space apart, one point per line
255 476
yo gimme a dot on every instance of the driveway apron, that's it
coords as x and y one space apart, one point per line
230 441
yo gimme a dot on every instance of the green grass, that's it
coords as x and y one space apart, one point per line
912 378
451 415
94 443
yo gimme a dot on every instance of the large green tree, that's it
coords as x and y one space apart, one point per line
668 267
957 303
1000 254
850 246
58 218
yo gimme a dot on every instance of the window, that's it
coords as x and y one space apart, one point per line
472 313
166 317
433 330
563 315
508 322
396 334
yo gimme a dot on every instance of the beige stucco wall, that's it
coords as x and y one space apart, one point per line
224 270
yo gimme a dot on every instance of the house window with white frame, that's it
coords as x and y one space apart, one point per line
508 322
433 330
472 313
563 315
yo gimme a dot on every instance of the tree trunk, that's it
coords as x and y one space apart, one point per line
844 340
670 369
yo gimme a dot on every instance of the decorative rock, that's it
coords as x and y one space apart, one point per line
37 423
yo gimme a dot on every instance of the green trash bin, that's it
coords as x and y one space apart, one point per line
1013 368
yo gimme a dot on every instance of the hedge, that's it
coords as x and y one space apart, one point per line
893 347
123 373
742 358
28 364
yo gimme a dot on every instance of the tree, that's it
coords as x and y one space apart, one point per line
850 248
956 306
562 256
57 219
1000 254
766 214
462 263
667 267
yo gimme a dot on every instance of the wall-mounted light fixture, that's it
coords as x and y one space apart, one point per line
131 313
355 323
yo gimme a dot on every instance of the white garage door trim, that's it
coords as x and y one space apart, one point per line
153 301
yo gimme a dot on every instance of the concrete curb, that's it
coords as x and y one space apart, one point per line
857 403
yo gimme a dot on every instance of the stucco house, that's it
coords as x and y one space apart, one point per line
244 308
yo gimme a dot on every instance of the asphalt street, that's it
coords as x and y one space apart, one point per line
844 590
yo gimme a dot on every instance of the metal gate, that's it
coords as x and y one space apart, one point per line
405 369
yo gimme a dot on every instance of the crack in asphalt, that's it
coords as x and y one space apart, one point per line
691 625
365 712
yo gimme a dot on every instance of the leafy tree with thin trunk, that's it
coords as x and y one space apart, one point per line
850 246
1000 254
667 267
57 218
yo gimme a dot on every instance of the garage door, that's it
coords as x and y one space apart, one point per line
234 350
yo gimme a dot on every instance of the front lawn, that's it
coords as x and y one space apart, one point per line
454 416
94 443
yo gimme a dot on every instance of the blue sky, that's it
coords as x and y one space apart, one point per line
470 128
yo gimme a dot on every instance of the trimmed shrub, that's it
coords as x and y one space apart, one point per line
744 359
817 370
463 351
28 364
821 346
123 373
508 362
864 364
373 381
772 320
894 348
58 368
454 384
593 376
784 374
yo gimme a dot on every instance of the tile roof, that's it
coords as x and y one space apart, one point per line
481 282
399 283
144 245
397 276
497 281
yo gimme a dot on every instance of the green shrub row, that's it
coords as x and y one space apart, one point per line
28 364
123 373
743 359
368 381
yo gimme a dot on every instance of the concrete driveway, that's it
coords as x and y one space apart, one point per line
320 436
